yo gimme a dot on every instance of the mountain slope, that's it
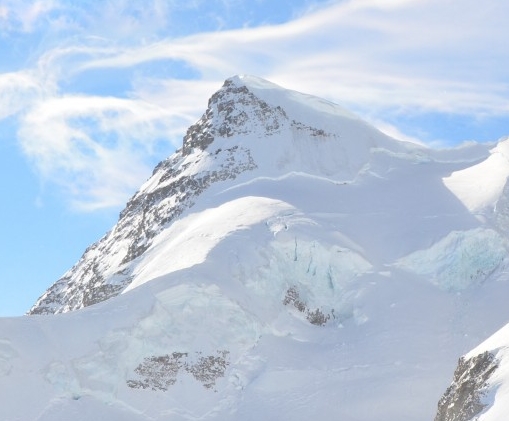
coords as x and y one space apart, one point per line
249 126
289 262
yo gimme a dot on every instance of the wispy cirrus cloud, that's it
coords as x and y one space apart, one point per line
417 54
130 89
18 90
96 149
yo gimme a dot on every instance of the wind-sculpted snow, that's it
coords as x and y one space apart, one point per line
286 259
176 248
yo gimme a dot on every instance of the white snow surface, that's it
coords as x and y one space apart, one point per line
479 187
339 280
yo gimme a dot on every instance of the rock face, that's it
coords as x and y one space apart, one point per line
463 399
105 268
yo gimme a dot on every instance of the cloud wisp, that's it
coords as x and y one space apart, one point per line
379 58
96 148
417 54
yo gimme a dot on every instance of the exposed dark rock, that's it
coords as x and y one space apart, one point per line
311 130
182 189
210 368
315 317
161 372
106 268
463 399
158 373
227 107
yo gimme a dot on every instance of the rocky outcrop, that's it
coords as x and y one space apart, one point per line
233 110
463 399
161 372
316 317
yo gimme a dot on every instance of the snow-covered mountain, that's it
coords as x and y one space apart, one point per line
247 133
288 262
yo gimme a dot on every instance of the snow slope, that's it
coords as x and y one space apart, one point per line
480 187
289 262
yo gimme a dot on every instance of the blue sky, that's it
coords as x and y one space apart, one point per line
94 93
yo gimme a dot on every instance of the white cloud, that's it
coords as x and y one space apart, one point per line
98 149
374 56
434 56
17 90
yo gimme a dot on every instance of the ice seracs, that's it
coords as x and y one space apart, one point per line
461 259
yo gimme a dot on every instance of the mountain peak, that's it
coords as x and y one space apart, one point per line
251 129
249 104
251 82
301 107
234 110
